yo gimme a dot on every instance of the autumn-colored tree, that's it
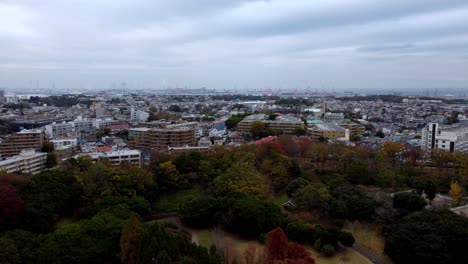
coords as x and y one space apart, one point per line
392 152
290 144
455 192
11 204
244 178
131 234
317 153
258 129
277 245
279 250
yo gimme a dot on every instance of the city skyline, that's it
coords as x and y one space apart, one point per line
334 45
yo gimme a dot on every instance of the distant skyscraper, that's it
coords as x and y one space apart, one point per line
2 96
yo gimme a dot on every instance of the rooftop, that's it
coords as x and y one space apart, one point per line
329 127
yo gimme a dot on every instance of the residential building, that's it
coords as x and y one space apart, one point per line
447 137
162 138
25 139
116 157
138 115
84 128
59 130
28 161
354 128
136 132
60 143
187 124
328 131
282 124
104 123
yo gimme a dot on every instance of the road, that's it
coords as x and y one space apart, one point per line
369 255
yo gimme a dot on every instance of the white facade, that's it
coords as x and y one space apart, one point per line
451 138
116 157
57 130
63 143
138 115
28 161
101 124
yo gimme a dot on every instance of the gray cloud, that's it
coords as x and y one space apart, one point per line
227 43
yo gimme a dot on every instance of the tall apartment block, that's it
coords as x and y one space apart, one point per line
59 130
25 139
447 137
162 138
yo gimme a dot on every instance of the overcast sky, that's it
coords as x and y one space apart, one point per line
228 44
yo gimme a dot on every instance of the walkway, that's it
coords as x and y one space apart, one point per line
366 253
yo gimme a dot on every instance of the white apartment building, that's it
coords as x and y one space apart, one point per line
58 130
28 161
64 143
447 137
104 123
138 115
83 126
116 157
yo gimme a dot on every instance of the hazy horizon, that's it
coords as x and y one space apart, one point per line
231 44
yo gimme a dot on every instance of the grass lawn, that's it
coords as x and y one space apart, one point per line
369 237
170 202
236 246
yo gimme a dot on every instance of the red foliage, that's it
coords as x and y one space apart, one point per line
296 251
277 245
281 252
277 147
11 204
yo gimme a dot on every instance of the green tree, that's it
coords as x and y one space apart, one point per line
51 160
47 146
328 250
428 236
346 238
163 258
232 121
380 134
47 196
175 108
338 209
299 231
168 176
300 131
409 201
9 253
312 196
296 184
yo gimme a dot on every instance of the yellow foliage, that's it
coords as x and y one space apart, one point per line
455 192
